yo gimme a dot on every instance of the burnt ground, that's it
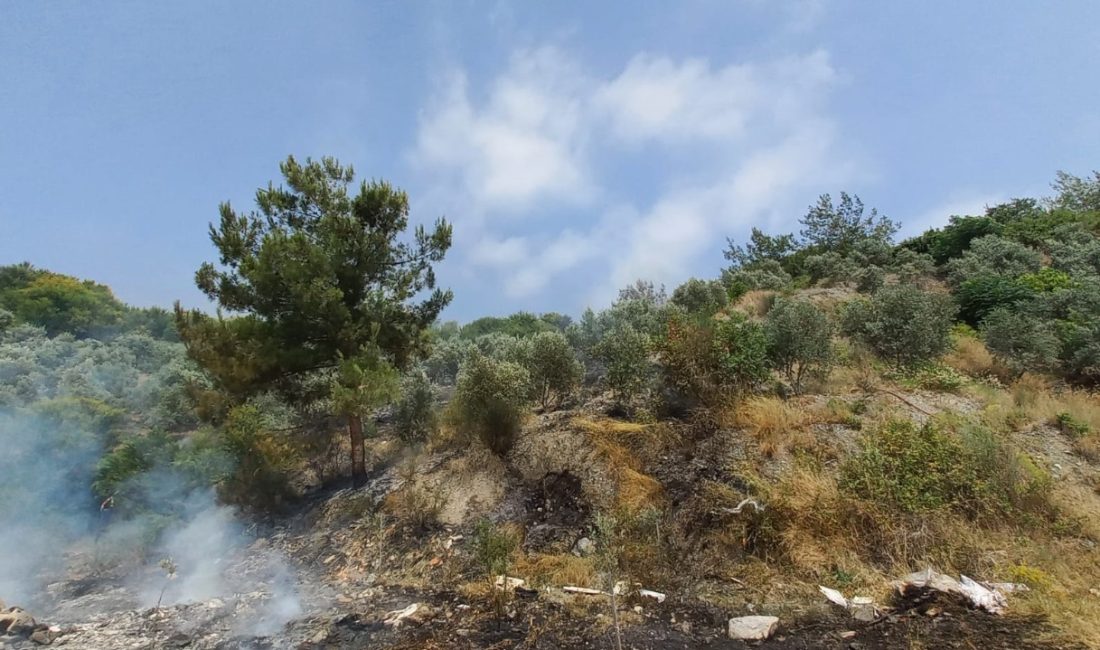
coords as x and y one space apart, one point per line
355 568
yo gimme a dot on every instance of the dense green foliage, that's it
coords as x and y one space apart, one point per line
799 339
490 399
902 323
325 290
414 414
918 468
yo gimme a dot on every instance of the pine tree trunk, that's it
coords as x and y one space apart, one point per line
358 453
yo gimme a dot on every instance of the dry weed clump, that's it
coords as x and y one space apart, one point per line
556 570
620 443
756 303
777 425
970 356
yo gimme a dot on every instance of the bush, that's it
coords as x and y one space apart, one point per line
490 399
767 275
741 352
700 296
902 324
993 255
799 339
443 364
830 267
916 469
981 295
1022 342
414 414
870 278
625 354
553 367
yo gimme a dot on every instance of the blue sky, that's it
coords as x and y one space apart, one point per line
574 145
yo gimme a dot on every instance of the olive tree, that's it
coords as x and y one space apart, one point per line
799 337
902 323
490 399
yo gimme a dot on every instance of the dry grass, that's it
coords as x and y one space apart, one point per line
619 443
557 570
756 303
970 357
777 425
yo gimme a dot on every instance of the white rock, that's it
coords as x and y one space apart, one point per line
753 628
862 608
584 547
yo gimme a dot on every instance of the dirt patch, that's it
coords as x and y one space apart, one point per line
557 513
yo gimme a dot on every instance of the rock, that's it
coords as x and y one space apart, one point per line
584 547
862 609
41 637
752 628
16 621
417 613
510 584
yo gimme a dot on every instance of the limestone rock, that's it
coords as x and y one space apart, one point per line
752 628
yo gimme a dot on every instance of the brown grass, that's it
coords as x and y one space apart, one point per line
557 570
970 357
777 425
756 303
619 443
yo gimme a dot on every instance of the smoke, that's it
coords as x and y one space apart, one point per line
49 518
46 466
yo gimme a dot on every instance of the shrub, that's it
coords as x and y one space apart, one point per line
1071 426
993 255
870 278
981 295
902 324
799 339
1022 342
741 352
767 275
916 469
492 550
490 398
700 296
414 414
939 378
261 458
443 364
553 368
625 354
829 266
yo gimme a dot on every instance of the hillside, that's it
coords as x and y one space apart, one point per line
326 465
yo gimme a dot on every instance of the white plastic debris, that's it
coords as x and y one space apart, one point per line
979 596
583 591
834 596
863 608
752 628
655 595
982 597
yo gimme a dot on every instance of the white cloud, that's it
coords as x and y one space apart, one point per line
657 98
521 145
756 135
